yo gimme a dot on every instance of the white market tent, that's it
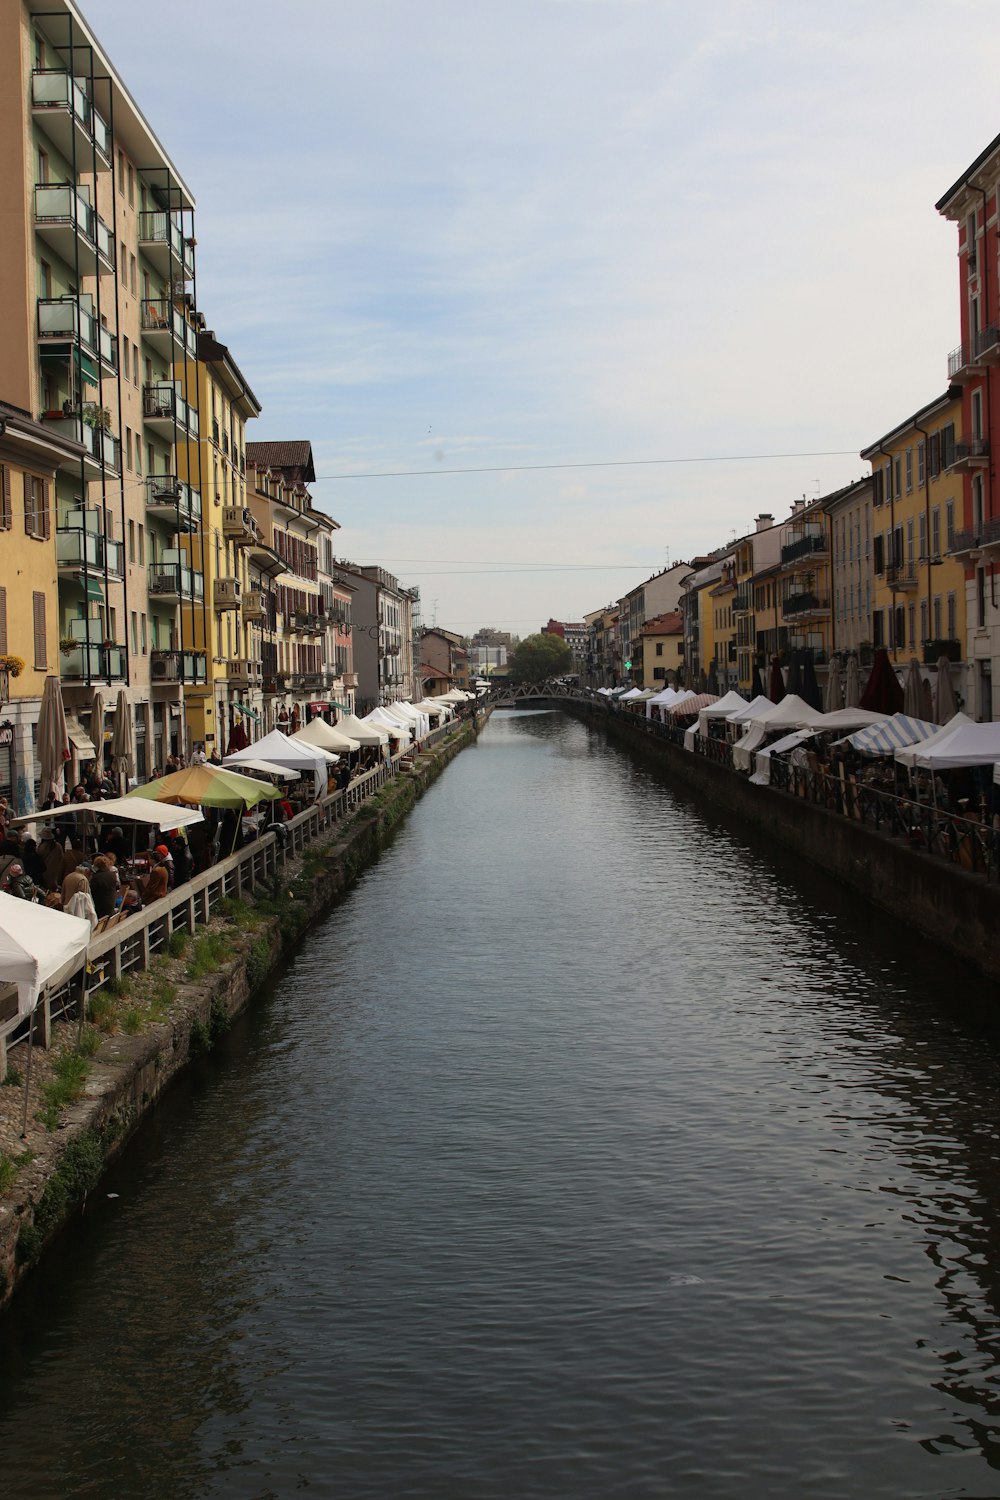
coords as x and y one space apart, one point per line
668 699
429 707
383 720
752 711
364 733
291 754
38 948
762 772
743 750
792 712
133 809
267 767
630 695
968 745
908 755
730 703
405 714
891 735
851 718
319 732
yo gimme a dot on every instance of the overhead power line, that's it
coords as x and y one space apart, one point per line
608 463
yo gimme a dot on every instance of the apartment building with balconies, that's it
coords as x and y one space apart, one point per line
382 636
849 511
298 672
98 231
972 204
224 562
917 575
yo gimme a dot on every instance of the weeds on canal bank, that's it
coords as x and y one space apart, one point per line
69 1077
208 953
10 1166
76 1175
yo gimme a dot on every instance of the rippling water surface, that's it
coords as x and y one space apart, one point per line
586 1151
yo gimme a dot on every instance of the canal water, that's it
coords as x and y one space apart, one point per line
586 1151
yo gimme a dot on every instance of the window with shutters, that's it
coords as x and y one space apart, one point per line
879 562
3 622
5 507
920 463
38 621
37 522
878 487
949 523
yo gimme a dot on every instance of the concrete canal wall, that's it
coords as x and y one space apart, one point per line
202 989
953 907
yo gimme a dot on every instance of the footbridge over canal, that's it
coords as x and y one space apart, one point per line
552 694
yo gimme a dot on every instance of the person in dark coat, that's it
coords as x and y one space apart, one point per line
104 886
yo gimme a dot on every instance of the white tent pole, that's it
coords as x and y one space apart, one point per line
27 1076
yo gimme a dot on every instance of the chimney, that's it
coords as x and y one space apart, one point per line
798 505
764 521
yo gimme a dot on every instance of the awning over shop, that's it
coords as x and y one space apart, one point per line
80 739
251 713
88 368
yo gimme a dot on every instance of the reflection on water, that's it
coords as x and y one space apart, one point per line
586 1151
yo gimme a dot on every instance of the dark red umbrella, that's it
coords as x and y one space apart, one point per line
776 687
756 683
883 693
238 738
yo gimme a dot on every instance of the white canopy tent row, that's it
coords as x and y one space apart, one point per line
793 714
418 724
667 698
283 751
382 720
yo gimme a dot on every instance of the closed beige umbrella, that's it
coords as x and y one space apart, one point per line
852 686
945 702
123 741
53 740
834 697
913 693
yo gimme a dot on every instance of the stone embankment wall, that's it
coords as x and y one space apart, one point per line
128 1073
953 907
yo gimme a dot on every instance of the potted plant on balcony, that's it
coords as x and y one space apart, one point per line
96 416
12 665
67 644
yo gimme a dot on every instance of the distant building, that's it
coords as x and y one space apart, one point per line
577 638
662 649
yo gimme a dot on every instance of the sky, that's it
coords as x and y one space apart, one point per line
529 235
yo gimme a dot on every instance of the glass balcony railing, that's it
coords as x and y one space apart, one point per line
77 548
55 89
175 581
160 315
101 445
65 319
164 403
64 204
167 492
85 663
159 228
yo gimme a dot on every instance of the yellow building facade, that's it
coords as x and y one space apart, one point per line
918 588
